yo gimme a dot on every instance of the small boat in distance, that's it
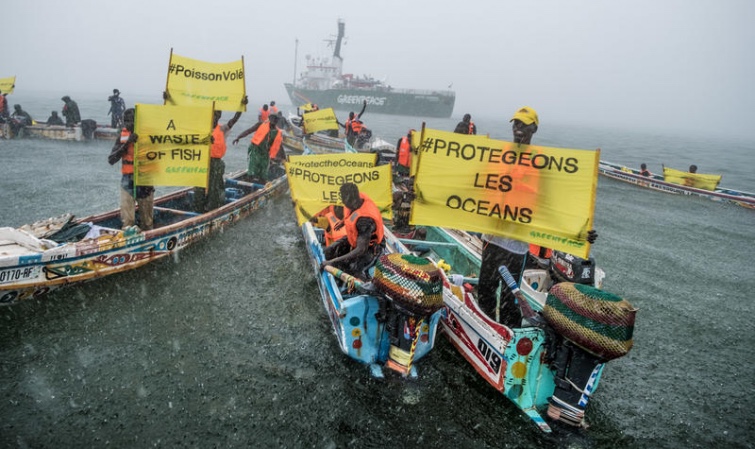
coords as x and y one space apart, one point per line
657 182
325 84
38 258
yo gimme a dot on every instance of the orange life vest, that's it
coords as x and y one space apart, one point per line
2 103
471 127
332 234
127 161
368 209
273 109
217 151
404 152
262 133
264 115
356 126
540 251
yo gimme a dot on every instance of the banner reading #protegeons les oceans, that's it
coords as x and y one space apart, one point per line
315 181
173 148
531 193
198 83
7 85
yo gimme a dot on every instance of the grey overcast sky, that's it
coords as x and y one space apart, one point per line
683 64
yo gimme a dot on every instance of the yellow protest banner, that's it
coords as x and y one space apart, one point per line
320 120
7 85
173 146
697 180
198 83
531 193
315 181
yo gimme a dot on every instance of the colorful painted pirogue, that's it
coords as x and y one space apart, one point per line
389 320
49 254
550 366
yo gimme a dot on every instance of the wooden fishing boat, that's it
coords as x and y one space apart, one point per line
38 258
546 369
386 321
60 132
657 182
322 142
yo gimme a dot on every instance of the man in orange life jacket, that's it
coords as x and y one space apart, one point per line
264 113
404 154
466 126
264 147
214 196
124 150
331 219
354 124
512 253
364 241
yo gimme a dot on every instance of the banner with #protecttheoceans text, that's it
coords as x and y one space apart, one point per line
198 83
539 195
173 146
697 180
315 181
7 85
319 120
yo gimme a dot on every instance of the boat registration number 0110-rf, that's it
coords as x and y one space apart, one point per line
19 274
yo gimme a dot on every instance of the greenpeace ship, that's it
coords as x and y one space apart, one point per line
324 84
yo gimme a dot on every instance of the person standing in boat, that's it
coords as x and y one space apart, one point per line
71 111
55 119
214 196
466 126
3 107
264 113
143 196
364 241
273 108
644 169
354 125
19 120
264 148
117 106
403 161
512 253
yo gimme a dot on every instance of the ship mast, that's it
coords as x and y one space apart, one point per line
296 53
337 59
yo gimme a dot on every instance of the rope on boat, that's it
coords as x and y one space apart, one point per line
352 283
413 349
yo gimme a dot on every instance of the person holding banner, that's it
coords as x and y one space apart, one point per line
264 147
3 106
364 241
123 150
512 253
214 196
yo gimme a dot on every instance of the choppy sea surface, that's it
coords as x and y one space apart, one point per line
227 344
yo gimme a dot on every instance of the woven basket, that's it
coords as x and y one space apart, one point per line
412 282
599 322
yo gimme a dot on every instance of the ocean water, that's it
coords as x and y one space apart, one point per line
227 345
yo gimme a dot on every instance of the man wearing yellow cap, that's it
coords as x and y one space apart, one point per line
512 253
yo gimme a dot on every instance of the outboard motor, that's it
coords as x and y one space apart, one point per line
592 327
568 268
414 286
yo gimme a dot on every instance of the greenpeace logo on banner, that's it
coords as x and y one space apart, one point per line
359 99
225 75
556 239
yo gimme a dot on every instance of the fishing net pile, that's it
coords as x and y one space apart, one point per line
415 283
599 322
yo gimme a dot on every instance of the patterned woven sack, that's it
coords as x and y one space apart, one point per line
599 322
413 282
